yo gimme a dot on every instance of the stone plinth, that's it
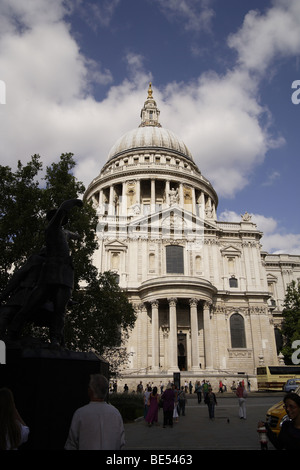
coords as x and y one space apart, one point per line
48 386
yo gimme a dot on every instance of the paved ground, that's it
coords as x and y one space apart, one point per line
197 431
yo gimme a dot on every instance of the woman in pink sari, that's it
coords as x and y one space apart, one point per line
152 415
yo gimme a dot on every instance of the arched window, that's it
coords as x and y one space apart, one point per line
174 257
233 282
237 331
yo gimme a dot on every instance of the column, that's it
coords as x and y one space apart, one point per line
194 334
138 192
181 198
111 208
124 199
194 210
155 336
152 202
207 335
101 205
173 360
167 190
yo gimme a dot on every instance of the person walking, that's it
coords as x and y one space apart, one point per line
198 390
13 430
98 425
211 402
242 395
153 400
147 393
181 402
168 398
205 388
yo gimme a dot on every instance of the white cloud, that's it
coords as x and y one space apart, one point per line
265 37
50 108
193 15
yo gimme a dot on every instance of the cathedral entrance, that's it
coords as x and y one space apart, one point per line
181 351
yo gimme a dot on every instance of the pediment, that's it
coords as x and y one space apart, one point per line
169 220
115 245
230 250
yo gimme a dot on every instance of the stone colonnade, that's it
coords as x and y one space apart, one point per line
173 331
108 198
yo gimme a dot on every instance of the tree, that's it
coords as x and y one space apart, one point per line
291 320
21 222
100 308
101 319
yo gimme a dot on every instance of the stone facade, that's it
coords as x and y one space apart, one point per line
207 297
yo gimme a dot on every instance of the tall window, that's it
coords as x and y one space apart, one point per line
237 331
174 256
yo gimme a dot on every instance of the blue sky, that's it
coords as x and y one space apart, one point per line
76 75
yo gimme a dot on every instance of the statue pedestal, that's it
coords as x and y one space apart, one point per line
48 386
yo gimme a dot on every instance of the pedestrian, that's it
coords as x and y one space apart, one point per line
242 395
190 386
168 398
198 390
211 402
13 430
175 411
153 400
289 435
220 386
181 401
97 425
205 389
125 388
146 400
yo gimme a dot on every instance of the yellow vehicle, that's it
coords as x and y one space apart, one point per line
275 377
277 414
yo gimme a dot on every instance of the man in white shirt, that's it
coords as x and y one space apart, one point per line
98 425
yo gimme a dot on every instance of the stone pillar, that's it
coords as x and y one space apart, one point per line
194 205
152 201
142 337
111 207
207 335
101 205
167 190
173 360
155 336
124 199
194 334
138 192
181 197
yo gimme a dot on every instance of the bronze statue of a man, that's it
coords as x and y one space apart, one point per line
56 278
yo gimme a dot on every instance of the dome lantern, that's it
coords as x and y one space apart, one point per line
150 112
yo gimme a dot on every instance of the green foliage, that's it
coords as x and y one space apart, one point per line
130 405
291 320
101 308
94 321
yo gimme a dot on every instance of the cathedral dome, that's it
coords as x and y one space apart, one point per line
149 137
